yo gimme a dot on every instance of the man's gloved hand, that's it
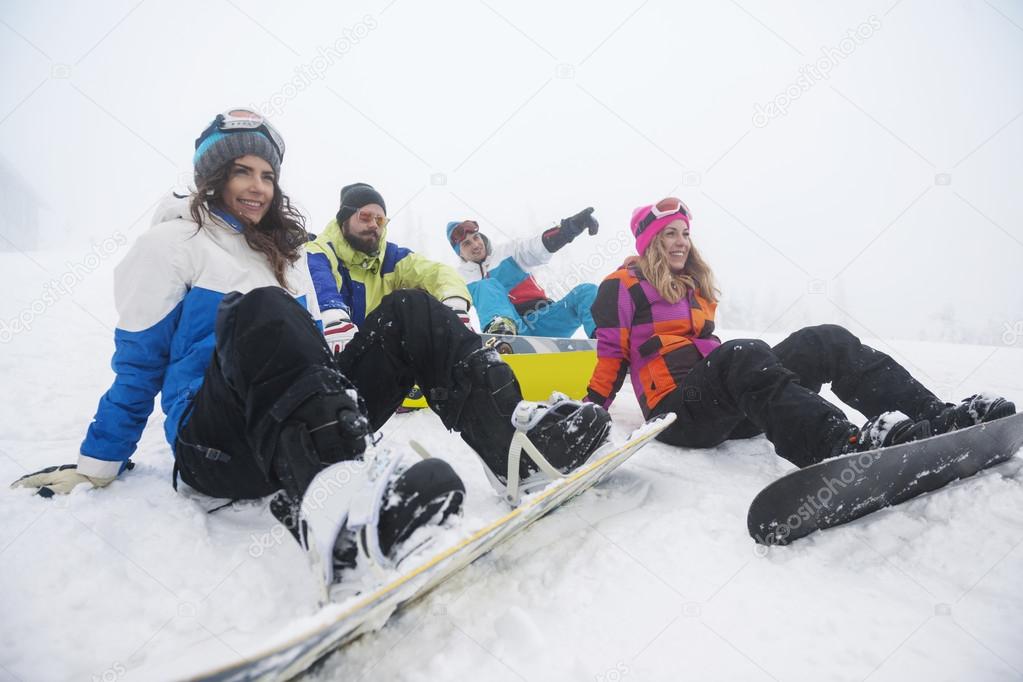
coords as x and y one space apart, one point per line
461 308
570 228
583 220
59 480
338 329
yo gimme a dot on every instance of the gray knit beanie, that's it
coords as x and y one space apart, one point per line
225 146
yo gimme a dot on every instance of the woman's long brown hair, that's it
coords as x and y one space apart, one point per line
279 235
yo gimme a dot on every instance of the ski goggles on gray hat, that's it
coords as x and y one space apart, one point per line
233 134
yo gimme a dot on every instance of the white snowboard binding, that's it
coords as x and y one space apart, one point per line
569 431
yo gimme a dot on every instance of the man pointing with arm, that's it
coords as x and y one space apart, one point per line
507 297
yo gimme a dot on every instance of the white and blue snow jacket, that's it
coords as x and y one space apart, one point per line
509 263
166 291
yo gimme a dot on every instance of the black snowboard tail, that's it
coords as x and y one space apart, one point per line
845 488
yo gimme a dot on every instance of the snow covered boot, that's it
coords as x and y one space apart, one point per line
556 437
356 518
890 428
484 406
971 411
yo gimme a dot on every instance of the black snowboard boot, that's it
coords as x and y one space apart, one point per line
844 437
888 428
972 411
551 439
891 428
565 431
424 494
357 516
486 407
480 405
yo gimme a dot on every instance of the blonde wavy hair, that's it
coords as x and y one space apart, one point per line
671 286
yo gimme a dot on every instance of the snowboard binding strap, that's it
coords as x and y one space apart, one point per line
526 416
521 443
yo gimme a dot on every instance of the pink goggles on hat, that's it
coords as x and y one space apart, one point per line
647 221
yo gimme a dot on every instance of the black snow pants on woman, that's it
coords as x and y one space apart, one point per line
745 387
250 428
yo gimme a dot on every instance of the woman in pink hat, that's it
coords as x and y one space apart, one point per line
655 320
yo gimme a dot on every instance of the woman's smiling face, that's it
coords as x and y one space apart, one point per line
675 239
249 189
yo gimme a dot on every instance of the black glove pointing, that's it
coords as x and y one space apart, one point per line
570 228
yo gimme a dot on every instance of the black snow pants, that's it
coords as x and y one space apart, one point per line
266 342
745 387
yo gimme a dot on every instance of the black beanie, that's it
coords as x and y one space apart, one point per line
354 197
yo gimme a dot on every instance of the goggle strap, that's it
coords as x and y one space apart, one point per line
651 217
259 124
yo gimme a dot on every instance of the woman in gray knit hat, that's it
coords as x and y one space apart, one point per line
218 315
237 172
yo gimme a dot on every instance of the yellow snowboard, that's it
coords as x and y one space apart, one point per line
541 365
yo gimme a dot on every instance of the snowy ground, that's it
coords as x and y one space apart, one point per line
650 577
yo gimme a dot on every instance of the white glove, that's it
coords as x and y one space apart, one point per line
59 480
461 308
338 329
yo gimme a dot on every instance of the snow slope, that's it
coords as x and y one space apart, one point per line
649 577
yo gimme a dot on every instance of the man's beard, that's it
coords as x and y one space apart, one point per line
368 245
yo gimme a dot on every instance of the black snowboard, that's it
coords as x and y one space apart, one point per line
845 488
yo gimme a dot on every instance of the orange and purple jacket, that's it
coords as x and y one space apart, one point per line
639 332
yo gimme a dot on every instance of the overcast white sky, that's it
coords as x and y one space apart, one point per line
884 196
